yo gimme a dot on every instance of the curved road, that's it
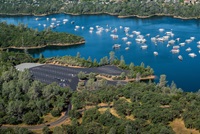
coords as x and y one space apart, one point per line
52 124
38 127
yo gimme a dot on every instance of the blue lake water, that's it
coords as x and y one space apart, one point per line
186 73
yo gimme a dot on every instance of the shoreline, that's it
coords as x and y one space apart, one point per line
101 13
38 47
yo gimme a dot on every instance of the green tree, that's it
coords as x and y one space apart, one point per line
112 57
46 130
31 118
122 62
82 75
162 81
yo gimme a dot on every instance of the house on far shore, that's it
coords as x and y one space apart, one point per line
190 1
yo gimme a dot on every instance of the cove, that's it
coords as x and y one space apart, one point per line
184 73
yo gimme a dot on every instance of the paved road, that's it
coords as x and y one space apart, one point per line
52 124
39 127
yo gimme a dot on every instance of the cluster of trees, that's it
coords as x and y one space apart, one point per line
36 7
17 130
25 100
73 61
22 36
134 71
8 59
153 107
135 7
123 7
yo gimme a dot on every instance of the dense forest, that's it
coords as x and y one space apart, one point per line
122 7
22 36
8 59
134 108
25 100
135 7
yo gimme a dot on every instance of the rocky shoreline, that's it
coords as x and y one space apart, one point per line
37 47
113 14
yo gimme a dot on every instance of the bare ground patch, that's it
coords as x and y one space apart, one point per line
178 126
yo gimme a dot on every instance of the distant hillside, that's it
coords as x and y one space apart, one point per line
144 8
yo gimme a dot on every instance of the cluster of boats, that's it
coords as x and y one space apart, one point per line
54 22
168 37
164 37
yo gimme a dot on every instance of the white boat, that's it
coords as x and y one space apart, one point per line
65 20
97 26
138 40
176 47
82 27
180 57
192 38
128 42
98 32
192 55
198 42
131 35
53 19
137 33
116 46
160 39
188 49
168 45
155 53
198 46
161 29
52 26
144 46
36 18
107 30
188 40
126 29
44 25
77 27
174 50
178 39
171 42
127 48
124 38
182 44
47 19
165 37
153 39
168 33
91 28
120 27
114 36
39 24
148 34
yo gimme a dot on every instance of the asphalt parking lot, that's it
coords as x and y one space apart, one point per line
67 76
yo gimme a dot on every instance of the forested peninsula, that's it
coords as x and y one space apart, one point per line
123 8
22 37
